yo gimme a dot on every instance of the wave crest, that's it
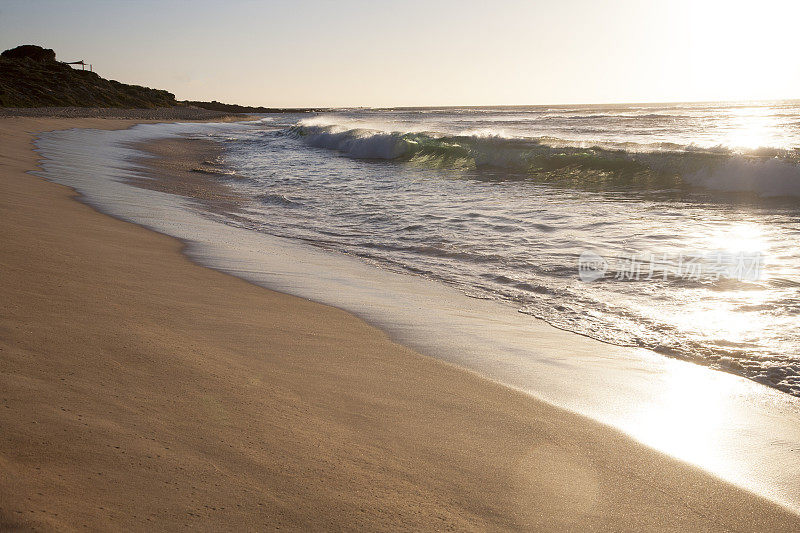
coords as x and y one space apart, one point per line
765 172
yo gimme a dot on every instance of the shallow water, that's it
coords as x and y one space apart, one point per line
735 428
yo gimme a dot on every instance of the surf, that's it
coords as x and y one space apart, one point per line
606 166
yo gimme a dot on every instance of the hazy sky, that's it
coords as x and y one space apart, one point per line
351 53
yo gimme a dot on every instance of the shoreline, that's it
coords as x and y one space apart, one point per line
384 438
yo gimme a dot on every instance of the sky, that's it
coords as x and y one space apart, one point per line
415 53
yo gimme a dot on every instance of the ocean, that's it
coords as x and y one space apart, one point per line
688 215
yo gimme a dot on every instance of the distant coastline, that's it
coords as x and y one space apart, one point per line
234 108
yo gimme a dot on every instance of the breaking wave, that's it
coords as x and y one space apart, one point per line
765 172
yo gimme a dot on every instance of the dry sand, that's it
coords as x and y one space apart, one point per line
141 391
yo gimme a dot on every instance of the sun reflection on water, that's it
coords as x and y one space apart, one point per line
753 127
741 237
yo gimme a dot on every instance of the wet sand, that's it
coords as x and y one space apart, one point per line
141 391
189 167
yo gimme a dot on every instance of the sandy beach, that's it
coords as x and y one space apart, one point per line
139 390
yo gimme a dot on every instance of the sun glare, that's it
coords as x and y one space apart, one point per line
686 422
754 127
744 237
739 51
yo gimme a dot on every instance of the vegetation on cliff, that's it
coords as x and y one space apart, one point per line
30 76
